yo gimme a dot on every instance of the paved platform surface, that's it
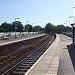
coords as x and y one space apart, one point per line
56 60
65 65
2 42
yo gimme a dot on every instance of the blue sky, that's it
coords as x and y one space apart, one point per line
39 12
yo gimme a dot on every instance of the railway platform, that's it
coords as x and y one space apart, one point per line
12 40
56 60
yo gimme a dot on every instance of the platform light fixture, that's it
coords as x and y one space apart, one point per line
72 26
15 26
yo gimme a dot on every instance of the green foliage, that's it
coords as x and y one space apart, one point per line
17 26
5 27
37 28
2 30
49 28
60 28
28 28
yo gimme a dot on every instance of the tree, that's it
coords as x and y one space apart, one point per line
28 28
37 28
2 30
49 28
17 26
43 30
60 28
5 27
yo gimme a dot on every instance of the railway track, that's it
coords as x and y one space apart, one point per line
34 50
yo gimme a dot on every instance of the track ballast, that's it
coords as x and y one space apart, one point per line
26 55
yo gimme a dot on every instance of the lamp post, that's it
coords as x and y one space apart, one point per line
65 24
68 27
73 31
62 28
72 26
68 21
33 28
26 24
15 26
73 18
32 25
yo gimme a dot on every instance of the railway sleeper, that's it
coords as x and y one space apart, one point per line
25 66
27 63
21 69
18 73
31 60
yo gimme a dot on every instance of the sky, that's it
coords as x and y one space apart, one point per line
39 12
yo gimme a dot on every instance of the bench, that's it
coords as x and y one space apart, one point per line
4 38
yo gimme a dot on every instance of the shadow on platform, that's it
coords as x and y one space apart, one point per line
71 50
